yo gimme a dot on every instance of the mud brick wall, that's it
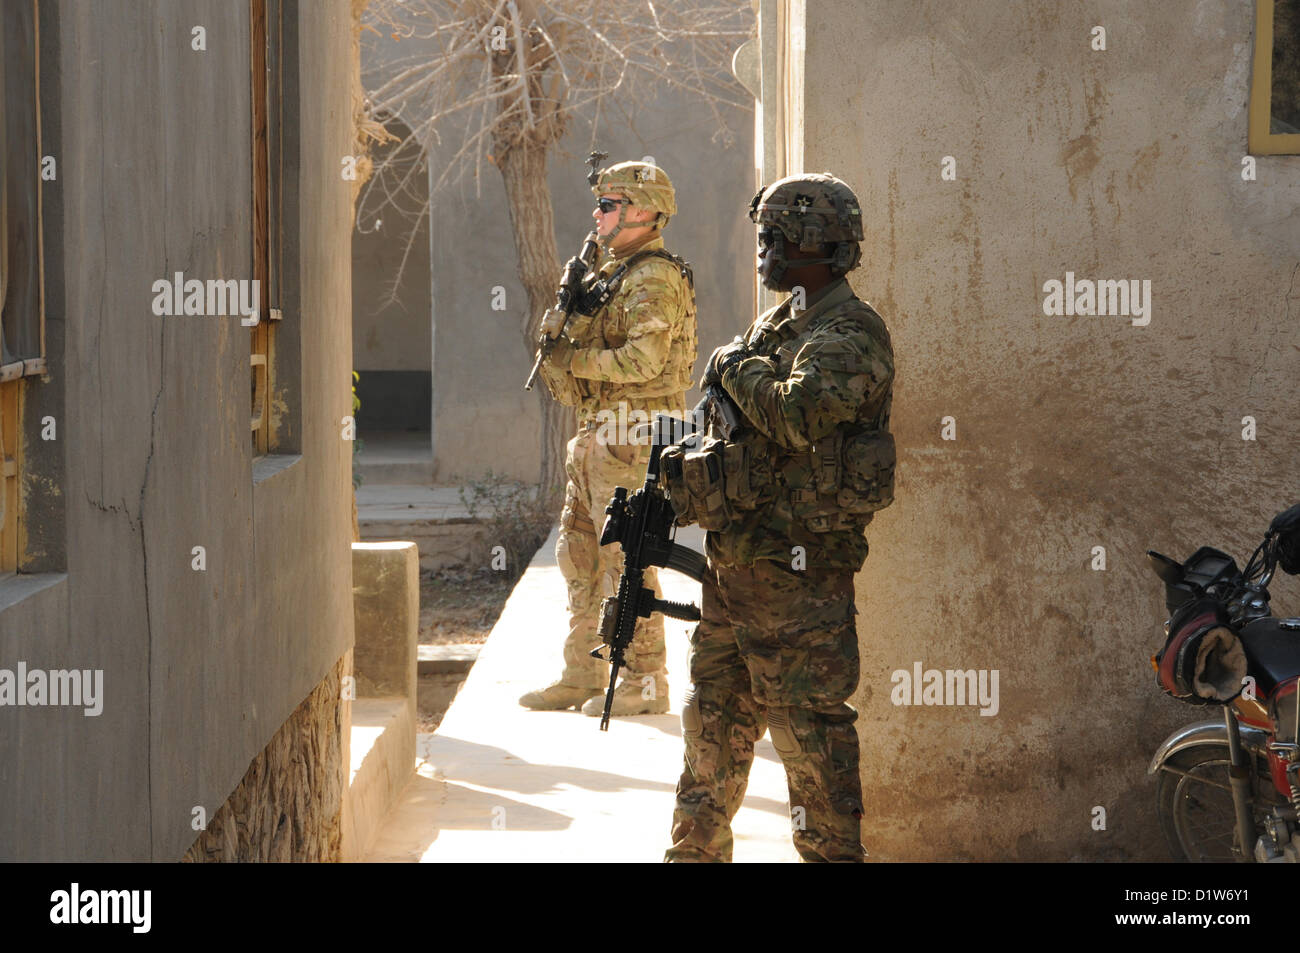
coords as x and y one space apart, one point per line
288 807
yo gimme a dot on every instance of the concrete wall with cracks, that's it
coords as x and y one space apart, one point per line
154 455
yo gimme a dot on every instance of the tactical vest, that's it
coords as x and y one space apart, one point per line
598 296
835 485
846 476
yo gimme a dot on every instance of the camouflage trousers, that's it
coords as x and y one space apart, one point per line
775 649
590 570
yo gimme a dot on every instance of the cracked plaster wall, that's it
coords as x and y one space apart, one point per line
200 668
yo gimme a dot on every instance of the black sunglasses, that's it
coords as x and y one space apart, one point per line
608 205
767 237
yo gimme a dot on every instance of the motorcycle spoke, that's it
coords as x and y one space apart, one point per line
1205 817
1198 778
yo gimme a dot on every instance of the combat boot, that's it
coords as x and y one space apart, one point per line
631 697
557 697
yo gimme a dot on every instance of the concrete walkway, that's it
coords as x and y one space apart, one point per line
410 503
432 517
387 457
500 783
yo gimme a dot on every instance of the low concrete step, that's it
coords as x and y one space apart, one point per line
395 458
452 659
382 738
432 517
408 472
411 502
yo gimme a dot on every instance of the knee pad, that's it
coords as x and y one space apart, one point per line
784 738
692 720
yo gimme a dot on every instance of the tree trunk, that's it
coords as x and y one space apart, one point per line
529 123
523 167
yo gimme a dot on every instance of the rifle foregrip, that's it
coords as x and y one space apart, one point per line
678 610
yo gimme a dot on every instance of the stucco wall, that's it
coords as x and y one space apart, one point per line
1072 432
200 669
482 416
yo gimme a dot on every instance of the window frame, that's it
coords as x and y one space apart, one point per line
1259 140
11 456
13 374
266 59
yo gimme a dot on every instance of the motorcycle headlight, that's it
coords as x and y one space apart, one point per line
1284 709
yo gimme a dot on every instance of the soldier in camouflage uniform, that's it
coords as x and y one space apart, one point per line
777 647
634 354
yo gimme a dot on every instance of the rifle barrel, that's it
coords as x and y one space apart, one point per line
537 366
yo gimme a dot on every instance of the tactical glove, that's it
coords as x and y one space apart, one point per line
721 359
552 322
562 352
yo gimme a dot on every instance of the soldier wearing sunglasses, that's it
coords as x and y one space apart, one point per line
630 348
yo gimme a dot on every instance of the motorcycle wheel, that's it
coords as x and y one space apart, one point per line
1196 810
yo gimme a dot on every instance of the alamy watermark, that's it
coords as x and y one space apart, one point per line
216 297
632 426
75 905
1127 297
54 687
946 687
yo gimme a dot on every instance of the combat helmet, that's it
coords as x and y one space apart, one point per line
810 210
643 184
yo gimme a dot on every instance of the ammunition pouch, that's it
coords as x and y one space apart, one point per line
869 461
835 486
562 385
712 485
841 481
696 483
745 475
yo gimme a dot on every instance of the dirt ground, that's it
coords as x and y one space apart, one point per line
434 695
459 605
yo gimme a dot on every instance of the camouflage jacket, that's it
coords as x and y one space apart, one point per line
640 348
829 366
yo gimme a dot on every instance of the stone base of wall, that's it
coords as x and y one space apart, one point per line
288 807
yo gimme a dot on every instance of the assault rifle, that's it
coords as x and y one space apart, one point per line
644 525
570 289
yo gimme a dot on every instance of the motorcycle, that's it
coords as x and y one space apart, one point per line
1229 790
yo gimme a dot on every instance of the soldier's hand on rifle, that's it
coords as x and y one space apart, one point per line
562 352
552 322
574 269
721 359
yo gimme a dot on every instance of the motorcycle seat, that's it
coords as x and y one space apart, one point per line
1273 652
